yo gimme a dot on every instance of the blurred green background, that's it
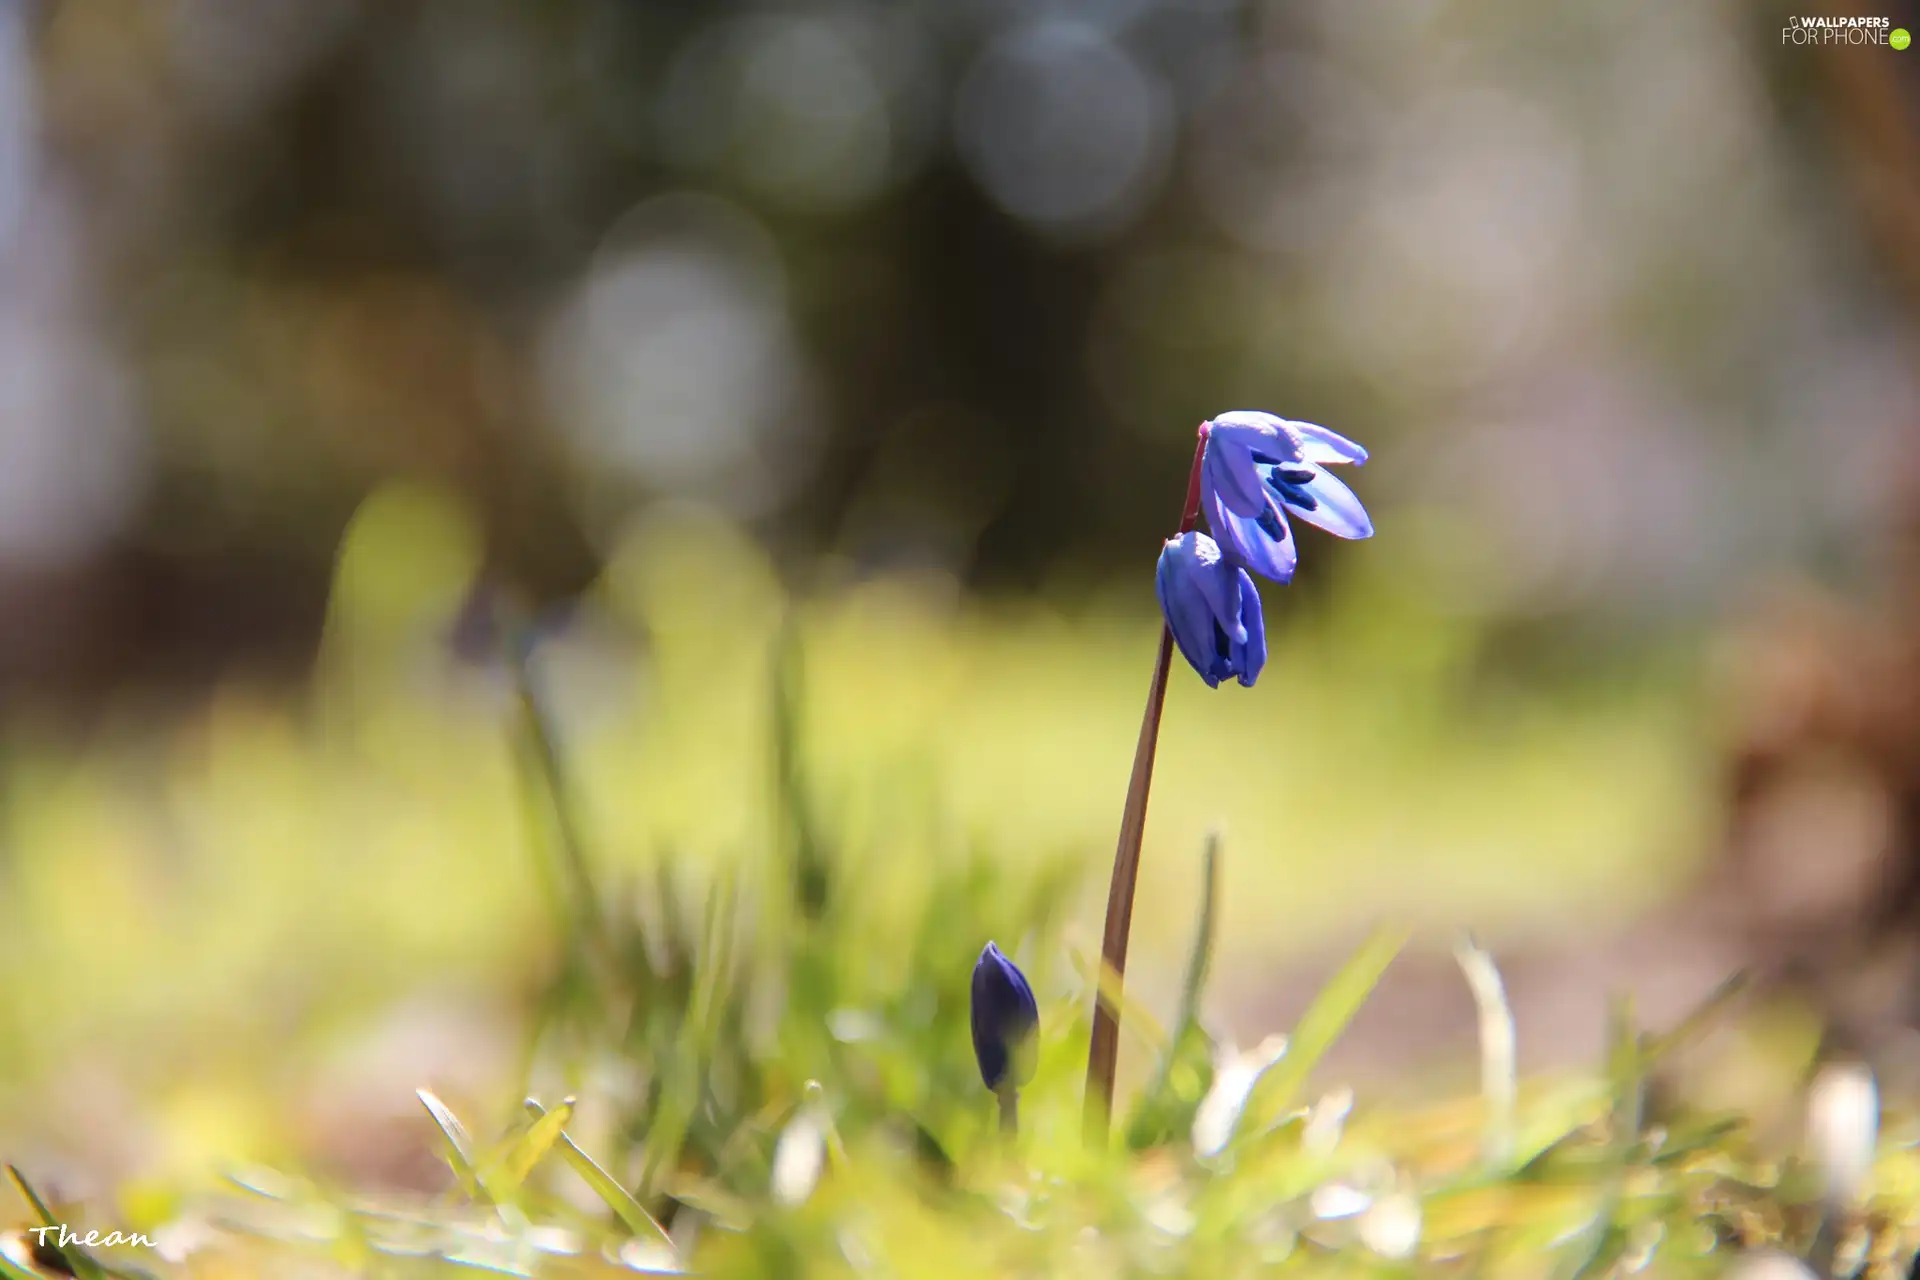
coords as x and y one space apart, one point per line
334 333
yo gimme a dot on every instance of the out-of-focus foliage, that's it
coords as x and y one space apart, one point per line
616 411
939 285
801 819
302 859
740 919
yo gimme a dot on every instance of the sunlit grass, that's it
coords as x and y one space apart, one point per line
203 912
323 848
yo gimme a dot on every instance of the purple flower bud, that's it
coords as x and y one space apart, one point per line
1212 609
1005 1019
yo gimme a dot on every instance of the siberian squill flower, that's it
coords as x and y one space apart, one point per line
1212 609
1258 469
1250 472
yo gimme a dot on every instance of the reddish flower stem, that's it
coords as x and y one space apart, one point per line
1103 1053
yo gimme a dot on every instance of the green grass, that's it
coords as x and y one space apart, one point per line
725 926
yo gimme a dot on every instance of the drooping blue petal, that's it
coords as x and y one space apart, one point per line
1229 470
1263 543
1326 447
1315 495
1238 444
1184 603
1205 598
1252 656
1219 585
1220 667
1263 433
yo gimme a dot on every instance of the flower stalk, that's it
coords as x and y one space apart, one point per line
1103 1053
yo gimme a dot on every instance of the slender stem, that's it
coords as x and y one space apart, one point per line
543 759
1190 513
1009 1109
1103 1053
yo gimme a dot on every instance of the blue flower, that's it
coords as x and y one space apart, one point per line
1258 468
1212 610
1005 1018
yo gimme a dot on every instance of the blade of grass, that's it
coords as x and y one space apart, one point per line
32 1198
531 1148
1327 1017
1499 1080
712 1200
1153 1118
460 1148
1200 955
544 775
83 1265
605 1185
1698 1020
794 813
1708 1137
1653 1048
684 1071
1626 1077
1113 992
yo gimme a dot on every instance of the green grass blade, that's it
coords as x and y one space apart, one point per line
684 1072
1327 1017
530 1149
799 828
1603 1239
1135 1018
83 1266
1696 1023
629 1210
1626 1072
544 777
1185 1070
1200 956
32 1197
460 1148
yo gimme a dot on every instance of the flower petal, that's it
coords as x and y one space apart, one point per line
1327 447
1266 433
1183 603
1327 502
1229 470
1253 654
1217 580
1222 665
1263 544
